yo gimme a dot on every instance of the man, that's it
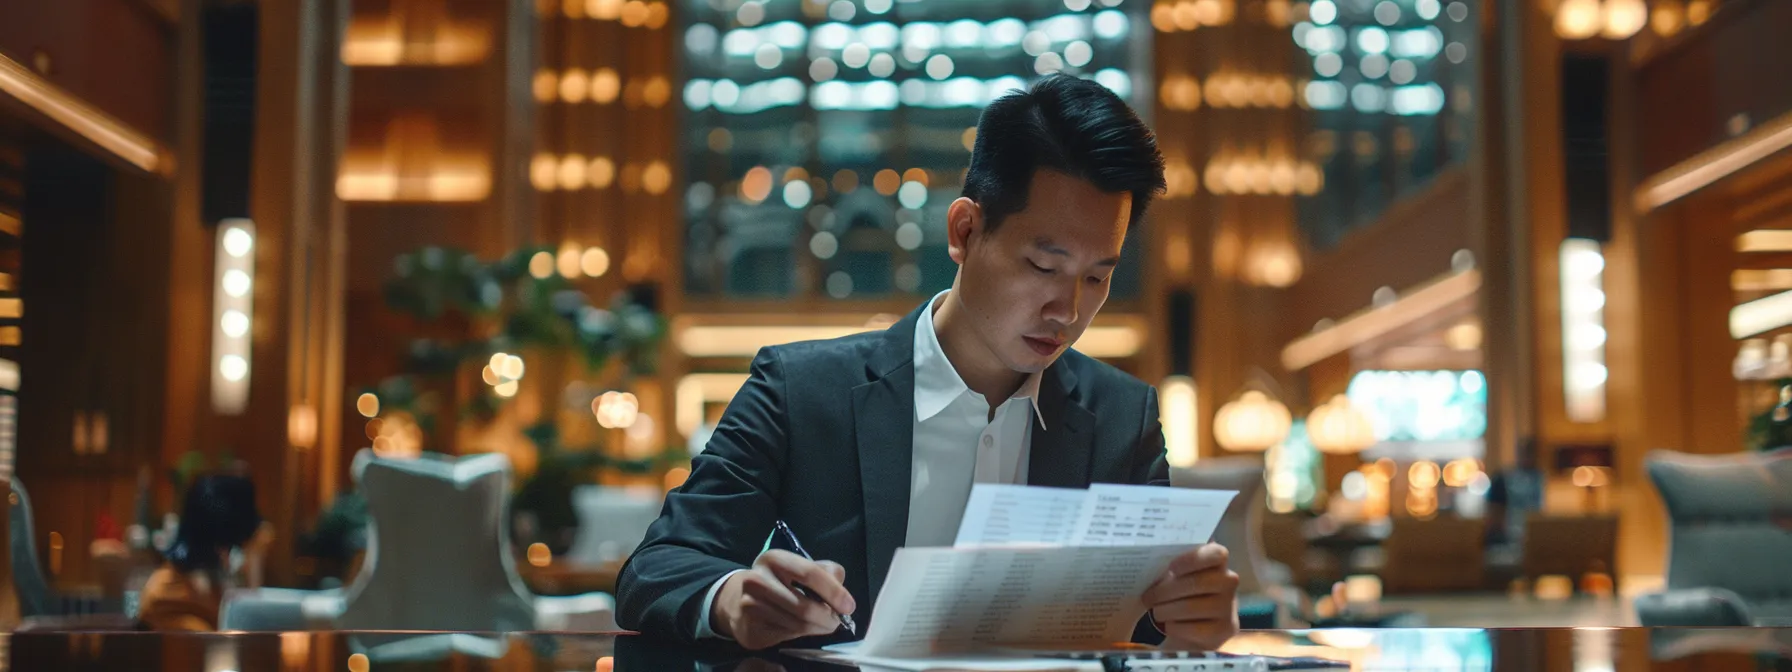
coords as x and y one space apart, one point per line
871 442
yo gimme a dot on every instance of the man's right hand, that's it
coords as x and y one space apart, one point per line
759 608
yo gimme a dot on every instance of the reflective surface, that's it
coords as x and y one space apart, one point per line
1578 649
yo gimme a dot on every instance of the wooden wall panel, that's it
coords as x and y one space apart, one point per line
115 54
1411 244
1690 94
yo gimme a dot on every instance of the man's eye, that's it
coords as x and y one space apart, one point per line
1039 268
1097 279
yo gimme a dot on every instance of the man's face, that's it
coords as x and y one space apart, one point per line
1033 285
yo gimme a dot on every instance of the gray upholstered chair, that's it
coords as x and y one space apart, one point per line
438 558
36 597
1730 550
1264 590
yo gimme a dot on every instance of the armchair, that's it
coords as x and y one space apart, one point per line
1730 526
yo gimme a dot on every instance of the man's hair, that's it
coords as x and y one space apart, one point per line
1067 124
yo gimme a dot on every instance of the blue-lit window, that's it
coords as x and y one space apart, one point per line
1422 406
1392 90
823 140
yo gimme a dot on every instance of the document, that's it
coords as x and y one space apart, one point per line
1103 515
1038 568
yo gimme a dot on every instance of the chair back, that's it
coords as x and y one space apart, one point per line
612 522
438 555
1241 530
1440 554
36 598
1730 521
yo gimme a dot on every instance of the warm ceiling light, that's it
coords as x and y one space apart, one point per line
595 262
1338 427
601 172
1578 19
1668 17
657 178
605 85
1624 18
544 172
1765 240
1761 280
1251 423
572 171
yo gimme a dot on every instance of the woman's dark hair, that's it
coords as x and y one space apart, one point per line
219 513
1067 124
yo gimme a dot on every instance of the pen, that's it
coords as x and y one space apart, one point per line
789 537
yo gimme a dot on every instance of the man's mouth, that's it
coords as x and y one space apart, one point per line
1043 345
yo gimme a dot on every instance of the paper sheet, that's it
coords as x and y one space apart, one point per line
1103 515
1038 568
942 600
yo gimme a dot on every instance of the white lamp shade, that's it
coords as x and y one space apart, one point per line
1253 422
1338 427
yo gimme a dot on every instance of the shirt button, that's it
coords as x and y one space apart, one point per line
988 440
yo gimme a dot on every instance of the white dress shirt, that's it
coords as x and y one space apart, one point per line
957 442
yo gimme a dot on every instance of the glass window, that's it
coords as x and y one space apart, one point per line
1392 92
823 140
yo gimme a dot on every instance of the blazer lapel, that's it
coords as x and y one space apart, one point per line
883 412
1062 452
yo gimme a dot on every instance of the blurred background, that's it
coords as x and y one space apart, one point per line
1433 282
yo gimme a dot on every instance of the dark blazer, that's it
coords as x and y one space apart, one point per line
821 436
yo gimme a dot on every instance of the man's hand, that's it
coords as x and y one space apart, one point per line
759 608
1195 602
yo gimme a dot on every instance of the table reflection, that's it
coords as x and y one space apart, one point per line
1468 650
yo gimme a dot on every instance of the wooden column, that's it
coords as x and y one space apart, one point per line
290 199
1503 251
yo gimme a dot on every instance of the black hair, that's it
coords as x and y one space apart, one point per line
1067 124
219 513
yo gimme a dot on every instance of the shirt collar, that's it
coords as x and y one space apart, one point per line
937 383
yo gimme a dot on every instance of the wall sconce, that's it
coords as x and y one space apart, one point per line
233 311
301 426
1583 330
1338 427
1251 423
1181 422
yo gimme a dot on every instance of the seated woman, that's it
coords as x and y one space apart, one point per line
218 517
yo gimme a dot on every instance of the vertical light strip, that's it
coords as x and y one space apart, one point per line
1181 422
1583 330
233 312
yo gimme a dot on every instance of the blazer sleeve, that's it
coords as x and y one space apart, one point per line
1150 463
718 520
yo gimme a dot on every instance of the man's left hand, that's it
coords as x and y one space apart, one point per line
1195 602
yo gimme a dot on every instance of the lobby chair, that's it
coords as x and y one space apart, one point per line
1730 534
1442 554
612 522
1570 546
1264 591
36 596
439 555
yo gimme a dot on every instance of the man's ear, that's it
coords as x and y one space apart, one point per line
964 222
